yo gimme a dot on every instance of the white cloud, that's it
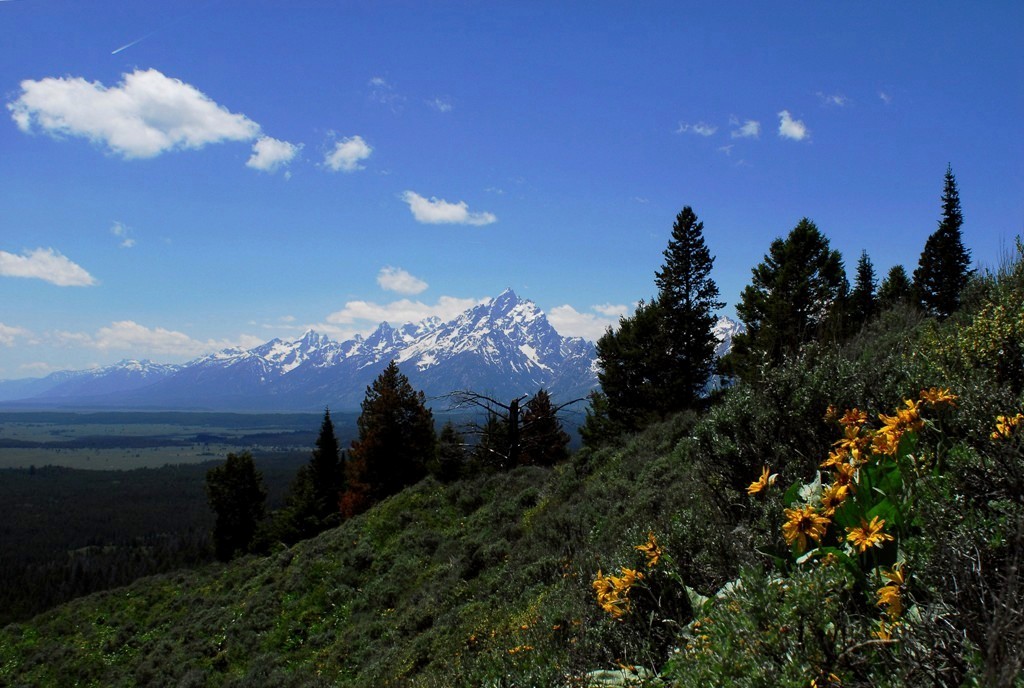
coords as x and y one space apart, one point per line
145 115
441 104
8 333
790 128
128 335
436 211
123 232
347 154
268 154
364 316
400 281
700 128
383 92
751 129
886 98
612 310
571 323
836 99
45 264
727 149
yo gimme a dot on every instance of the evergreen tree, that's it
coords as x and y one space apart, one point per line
633 360
494 447
450 457
688 298
896 288
943 269
396 436
325 470
238 498
660 359
863 302
793 294
311 505
598 427
544 442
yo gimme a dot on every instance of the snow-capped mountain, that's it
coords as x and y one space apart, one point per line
75 384
504 347
724 331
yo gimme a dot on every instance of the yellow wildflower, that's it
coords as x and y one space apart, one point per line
845 474
762 483
831 413
868 534
1006 426
650 550
613 591
906 420
833 497
886 631
889 597
853 418
898 574
935 396
830 681
853 442
886 442
803 523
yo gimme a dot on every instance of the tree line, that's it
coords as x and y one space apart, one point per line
659 360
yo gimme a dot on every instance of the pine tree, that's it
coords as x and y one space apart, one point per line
896 288
598 427
633 360
238 498
660 359
863 302
793 294
396 436
450 457
688 298
311 504
325 470
943 269
494 445
544 442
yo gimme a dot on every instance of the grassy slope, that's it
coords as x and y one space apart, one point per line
433 587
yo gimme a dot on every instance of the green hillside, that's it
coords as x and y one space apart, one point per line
490 580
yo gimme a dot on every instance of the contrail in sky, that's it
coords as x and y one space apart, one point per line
126 45
168 25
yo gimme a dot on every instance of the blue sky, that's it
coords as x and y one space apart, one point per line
183 176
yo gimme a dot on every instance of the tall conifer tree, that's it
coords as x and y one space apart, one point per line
659 359
944 267
688 298
863 302
396 436
325 469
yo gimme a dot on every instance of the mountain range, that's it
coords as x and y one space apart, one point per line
503 347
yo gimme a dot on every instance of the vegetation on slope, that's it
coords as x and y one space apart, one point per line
850 515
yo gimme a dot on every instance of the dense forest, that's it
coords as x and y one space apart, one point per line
848 511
